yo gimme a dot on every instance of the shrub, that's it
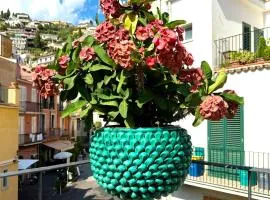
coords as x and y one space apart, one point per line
266 54
261 47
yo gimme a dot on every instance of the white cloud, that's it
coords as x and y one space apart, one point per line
67 10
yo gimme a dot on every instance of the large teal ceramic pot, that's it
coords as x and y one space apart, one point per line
141 163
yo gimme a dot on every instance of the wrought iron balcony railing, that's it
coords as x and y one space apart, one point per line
248 41
27 106
248 190
25 139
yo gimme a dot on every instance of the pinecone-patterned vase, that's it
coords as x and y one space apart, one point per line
142 163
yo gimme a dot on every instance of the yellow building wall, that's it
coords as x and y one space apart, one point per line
9 115
11 192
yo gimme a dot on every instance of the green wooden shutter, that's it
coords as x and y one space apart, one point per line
234 146
216 146
226 144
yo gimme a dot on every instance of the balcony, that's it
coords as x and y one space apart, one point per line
242 51
233 172
27 106
28 139
57 134
85 187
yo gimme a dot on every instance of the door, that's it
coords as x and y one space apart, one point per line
226 144
42 123
246 37
34 124
257 34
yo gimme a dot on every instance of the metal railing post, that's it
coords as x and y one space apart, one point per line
40 186
249 185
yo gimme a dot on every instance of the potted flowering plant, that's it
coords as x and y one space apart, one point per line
136 73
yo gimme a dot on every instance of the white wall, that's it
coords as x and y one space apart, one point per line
199 13
228 17
254 87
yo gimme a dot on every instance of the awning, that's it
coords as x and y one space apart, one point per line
60 145
62 155
26 163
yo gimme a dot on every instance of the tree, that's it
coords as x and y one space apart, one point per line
8 13
80 32
37 41
2 14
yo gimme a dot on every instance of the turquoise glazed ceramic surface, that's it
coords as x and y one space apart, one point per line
142 163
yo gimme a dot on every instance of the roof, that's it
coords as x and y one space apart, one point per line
26 163
60 145
246 68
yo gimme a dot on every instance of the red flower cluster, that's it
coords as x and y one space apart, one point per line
119 45
42 79
105 32
233 107
213 108
120 51
87 54
193 76
169 49
110 8
63 61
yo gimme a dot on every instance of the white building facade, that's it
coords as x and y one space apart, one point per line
208 22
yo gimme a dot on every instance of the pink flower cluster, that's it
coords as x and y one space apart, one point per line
110 8
105 32
169 49
213 108
119 45
42 79
87 54
194 76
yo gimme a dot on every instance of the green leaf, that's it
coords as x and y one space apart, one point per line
87 66
109 103
130 22
159 13
136 56
101 53
193 99
99 67
165 17
123 109
69 82
89 40
121 81
143 21
232 97
198 118
113 114
219 82
85 111
129 122
146 96
161 102
72 107
89 79
173 24
151 47
206 69
75 55
108 78
106 97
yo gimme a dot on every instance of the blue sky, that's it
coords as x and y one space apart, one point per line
73 11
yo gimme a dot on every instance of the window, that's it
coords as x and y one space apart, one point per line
34 95
5 180
188 32
23 93
34 124
21 124
246 37
52 121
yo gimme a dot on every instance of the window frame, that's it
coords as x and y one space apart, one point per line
186 26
